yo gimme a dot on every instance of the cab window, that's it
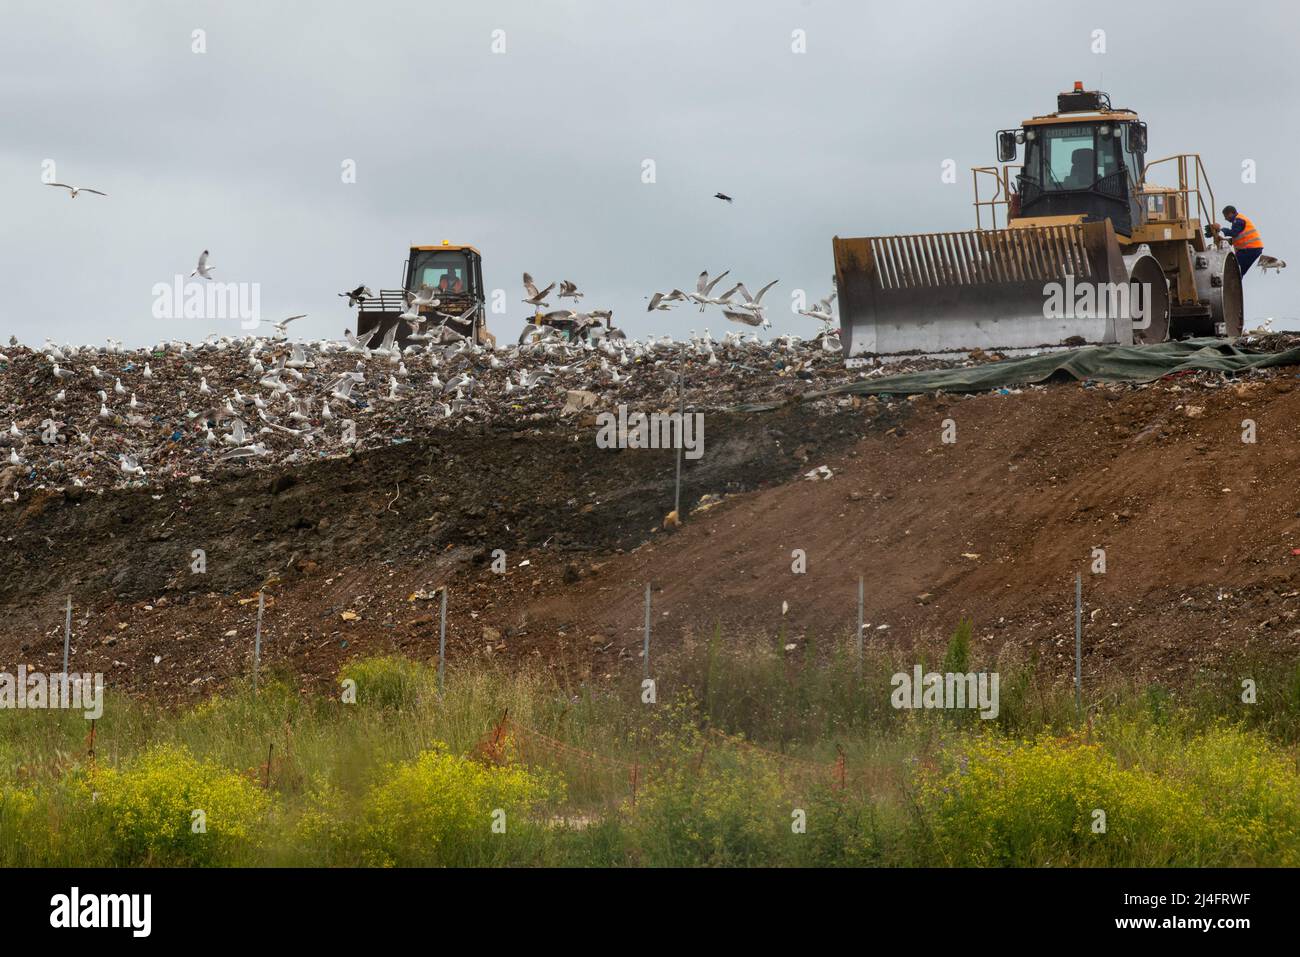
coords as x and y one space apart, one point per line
1070 156
441 270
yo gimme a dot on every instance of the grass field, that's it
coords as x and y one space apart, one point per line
749 756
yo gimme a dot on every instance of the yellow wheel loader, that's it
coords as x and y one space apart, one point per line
448 273
1091 250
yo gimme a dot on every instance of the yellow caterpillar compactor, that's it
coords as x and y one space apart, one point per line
1091 251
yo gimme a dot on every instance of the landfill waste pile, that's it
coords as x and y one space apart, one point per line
348 522
83 417
1210 361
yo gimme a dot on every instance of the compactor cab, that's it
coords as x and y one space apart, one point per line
1085 160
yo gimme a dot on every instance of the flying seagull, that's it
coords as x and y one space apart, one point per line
74 190
247 451
280 326
748 318
535 298
237 435
661 301
568 291
412 313
359 343
357 295
754 303
703 286
465 316
342 390
724 197
203 269
821 311
725 298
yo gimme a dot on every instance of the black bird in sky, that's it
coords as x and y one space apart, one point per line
358 295
724 197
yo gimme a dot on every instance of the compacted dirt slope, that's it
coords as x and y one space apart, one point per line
1198 529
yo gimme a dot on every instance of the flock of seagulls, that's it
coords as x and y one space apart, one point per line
579 323
537 297
145 414
293 398
749 311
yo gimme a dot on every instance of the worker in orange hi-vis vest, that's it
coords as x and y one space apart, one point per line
1243 235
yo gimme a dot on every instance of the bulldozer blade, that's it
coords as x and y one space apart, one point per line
1003 288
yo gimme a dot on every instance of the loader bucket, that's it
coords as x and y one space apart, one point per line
1003 288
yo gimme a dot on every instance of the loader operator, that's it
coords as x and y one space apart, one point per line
1082 171
1241 232
450 283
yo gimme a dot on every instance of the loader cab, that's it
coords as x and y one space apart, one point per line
453 272
1086 159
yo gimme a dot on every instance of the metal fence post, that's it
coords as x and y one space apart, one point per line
860 625
257 637
442 641
67 640
1078 643
681 427
645 649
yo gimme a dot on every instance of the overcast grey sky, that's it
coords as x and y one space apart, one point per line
535 155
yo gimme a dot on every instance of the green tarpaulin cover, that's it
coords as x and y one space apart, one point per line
1099 363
